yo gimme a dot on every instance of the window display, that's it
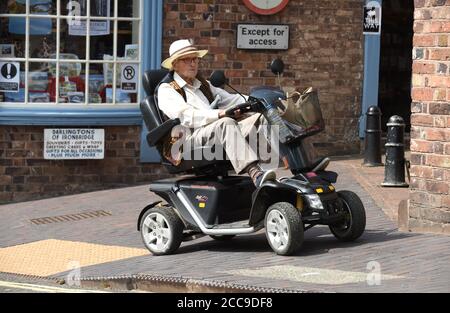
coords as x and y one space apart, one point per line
75 75
38 82
128 8
13 7
42 38
11 39
44 7
101 44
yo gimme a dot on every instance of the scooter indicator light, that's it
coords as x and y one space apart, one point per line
319 190
299 203
332 188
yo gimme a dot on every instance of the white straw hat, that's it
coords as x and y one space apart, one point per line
179 49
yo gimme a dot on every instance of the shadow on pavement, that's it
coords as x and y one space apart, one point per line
317 241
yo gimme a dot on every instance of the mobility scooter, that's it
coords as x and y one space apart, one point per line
209 201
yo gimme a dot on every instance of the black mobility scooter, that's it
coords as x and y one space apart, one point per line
209 201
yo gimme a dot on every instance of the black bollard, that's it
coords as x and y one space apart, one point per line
395 154
372 156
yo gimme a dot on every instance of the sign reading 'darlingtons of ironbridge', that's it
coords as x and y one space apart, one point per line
74 144
259 36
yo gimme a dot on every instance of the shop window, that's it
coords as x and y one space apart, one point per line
70 53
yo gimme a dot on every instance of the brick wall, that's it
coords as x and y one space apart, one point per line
429 208
326 52
25 175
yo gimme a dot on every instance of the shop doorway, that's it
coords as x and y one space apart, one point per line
396 60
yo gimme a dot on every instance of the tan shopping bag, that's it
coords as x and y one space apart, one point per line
303 109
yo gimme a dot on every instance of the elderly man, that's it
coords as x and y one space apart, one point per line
187 96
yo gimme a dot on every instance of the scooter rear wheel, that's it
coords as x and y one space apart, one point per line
355 222
284 228
161 230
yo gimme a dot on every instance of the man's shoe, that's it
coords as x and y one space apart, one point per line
269 175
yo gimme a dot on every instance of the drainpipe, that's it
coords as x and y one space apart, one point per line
372 43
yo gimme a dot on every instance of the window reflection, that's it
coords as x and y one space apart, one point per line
42 37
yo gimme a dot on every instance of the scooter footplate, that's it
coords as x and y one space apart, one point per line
241 224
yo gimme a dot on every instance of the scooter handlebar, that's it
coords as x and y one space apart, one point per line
249 106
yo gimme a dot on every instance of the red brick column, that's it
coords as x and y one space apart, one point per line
429 208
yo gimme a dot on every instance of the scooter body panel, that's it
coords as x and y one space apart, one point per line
221 201
214 200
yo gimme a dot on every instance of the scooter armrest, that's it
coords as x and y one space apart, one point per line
159 133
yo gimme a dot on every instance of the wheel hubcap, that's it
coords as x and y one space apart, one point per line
157 234
277 230
347 222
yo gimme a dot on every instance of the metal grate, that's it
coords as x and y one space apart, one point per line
70 217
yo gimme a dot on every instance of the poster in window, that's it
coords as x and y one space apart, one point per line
7 51
129 78
98 28
132 52
108 70
38 81
372 18
38 26
39 97
9 76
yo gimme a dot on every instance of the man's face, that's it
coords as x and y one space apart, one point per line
187 66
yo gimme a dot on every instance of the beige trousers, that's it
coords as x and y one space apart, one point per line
231 135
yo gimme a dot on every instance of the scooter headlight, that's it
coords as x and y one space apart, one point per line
314 202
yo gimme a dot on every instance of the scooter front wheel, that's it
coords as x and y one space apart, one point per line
161 230
284 228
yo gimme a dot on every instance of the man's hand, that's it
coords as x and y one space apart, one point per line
237 114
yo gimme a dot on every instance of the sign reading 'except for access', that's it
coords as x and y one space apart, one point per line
74 144
258 36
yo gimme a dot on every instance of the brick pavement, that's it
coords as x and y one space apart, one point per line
418 262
